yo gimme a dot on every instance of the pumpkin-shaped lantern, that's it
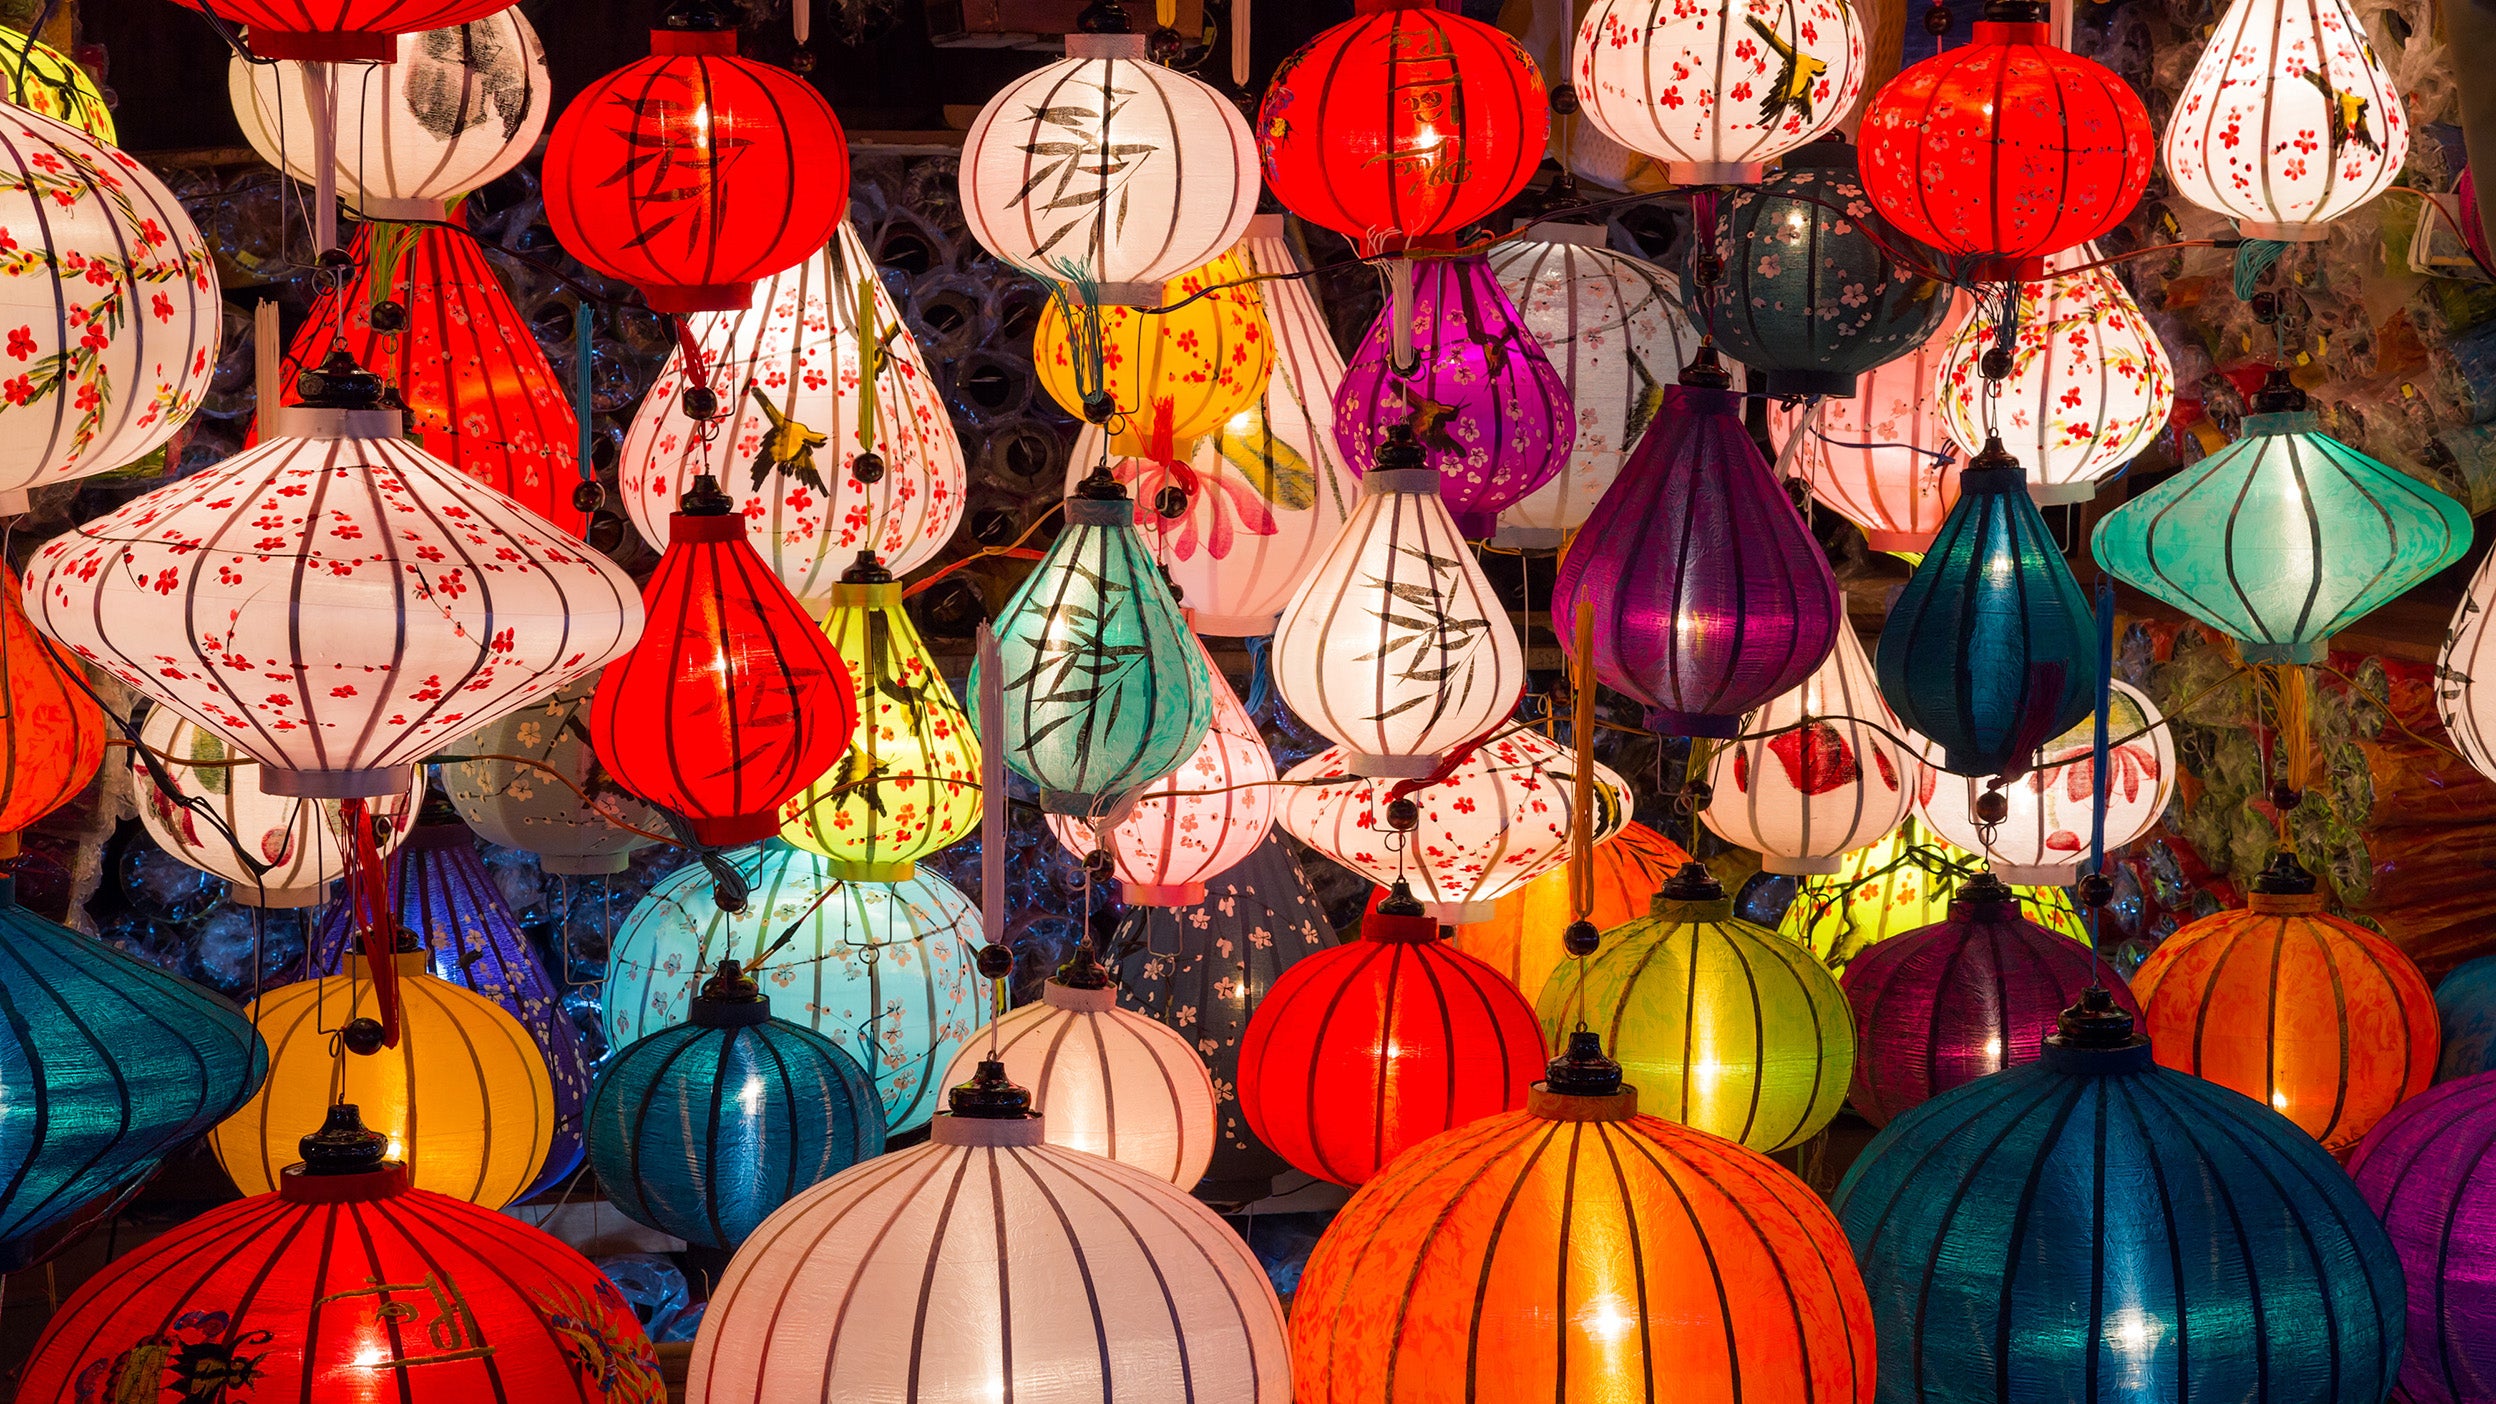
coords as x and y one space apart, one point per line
2424 1171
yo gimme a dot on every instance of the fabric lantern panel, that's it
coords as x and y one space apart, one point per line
2043 839
51 730
1522 938
1170 378
42 79
2465 1011
1903 883
1883 459
1826 773
1661 80
553 800
2424 1171
339 31
2465 693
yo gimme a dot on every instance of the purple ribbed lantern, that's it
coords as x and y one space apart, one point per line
1710 596
1490 409
1961 999
2427 1172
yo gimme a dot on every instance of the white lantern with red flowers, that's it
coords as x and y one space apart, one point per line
1883 460
1716 89
2043 839
1822 771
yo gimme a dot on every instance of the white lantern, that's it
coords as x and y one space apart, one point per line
564 809
336 602
1715 89
1268 494
2089 385
2043 840
304 842
1107 168
109 309
1193 823
1614 327
1499 821
2465 675
1883 460
2288 122
788 374
1396 646
1836 776
457 108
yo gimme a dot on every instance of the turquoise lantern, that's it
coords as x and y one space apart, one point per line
2284 536
1104 689
1990 651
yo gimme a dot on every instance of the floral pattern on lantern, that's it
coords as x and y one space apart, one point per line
1172 377
2425 1173
572 829
1882 459
1660 79
339 31
1521 940
2043 839
1825 774
51 731
42 79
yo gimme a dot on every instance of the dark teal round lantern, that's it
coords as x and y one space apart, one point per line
1805 292
2465 1004
1990 651
106 1066
703 1129
2093 1227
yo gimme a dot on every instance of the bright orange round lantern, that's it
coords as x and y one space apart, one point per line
51 731
1522 938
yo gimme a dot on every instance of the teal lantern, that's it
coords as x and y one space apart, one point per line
2284 536
1990 651
1104 689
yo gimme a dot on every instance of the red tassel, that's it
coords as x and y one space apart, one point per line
368 897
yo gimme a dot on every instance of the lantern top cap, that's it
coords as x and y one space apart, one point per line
2278 395
1694 883
1705 372
990 1096
1400 901
1987 888
2096 1023
1401 450
703 498
2017 12
1583 1069
868 569
2285 877
338 382
1100 485
702 16
729 1000
1103 17
1083 970
343 1145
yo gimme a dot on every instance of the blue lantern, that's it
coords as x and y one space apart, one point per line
2465 1003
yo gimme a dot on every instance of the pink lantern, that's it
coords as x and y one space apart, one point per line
1833 777
1883 460
2043 840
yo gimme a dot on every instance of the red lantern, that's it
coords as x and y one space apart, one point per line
340 31
2007 149
733 700
1402 122
51 731
694 173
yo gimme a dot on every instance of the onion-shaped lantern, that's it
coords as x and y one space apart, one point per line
1522 937
40 78
1903 883
51 730
2085 1227
356 603
1709 595
2465 1011
695 173
1883 459
2316 1017
789 372
1577 1250
533 783
1824 773
2050 813
1169 378
1402 123
1663 81
454 108
702 1129
1361 1052
2424 1171
883 970
1112 1283
339 31
1488 407
2284 537
1719 1024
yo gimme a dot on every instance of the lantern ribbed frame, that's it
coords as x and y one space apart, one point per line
1173 377
51 731
796 347
404 602
2464 703
1578 1251
1521 940
1884 891
1834 778
339 31
2311 1015
42 79
456 107
2465 1011
2043 839
1883 459
2425 1172
1667 81
512 805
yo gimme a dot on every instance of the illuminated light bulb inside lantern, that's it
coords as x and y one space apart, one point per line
1661 80
1825 775
2043 839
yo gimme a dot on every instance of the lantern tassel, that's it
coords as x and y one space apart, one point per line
1582 803
1240 50
321 96
368 898
583 323
268 356
1400 315
871 355
2098 755
990 706
2296 725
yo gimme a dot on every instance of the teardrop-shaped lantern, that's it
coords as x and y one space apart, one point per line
40 78
535 784
1662 80
2043 837
1824 772
1709 595
51 730
1883 459
2285 536
1522 937
1168 378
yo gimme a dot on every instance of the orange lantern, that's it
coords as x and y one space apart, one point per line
51 731
1522 938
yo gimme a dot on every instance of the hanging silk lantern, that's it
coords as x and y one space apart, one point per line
2043 837
1169 378
340 31
1267 491
1709 595
1808 291
2425 1174
1719 1024
1577 1250
2283 537
464 1098
438 604
702 1129
51 730
1662 80
1990 650
2463 701
1402 123
535 785
42 79
2090 385
1903 883
2006 149
1397 646
2288 121
1117 1281
346 1284
882 969
1522 937
1824 774
1499 820
1882 459
113 1065
1203 969
2316 1017
449 111
1073 172
2465 1011
1489 409
790 371
1361 1052
695 173
1966 997
1104 692
909 785
111 308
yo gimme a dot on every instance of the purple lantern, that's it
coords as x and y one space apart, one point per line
1490 409
2427 1172
1710 596
1966 997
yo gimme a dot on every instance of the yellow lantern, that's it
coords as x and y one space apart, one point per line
1173 376
1902 883
464 1097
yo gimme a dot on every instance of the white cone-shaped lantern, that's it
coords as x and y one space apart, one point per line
1883 460
1830 780
2043 839
788 374
1613 327
1715 89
